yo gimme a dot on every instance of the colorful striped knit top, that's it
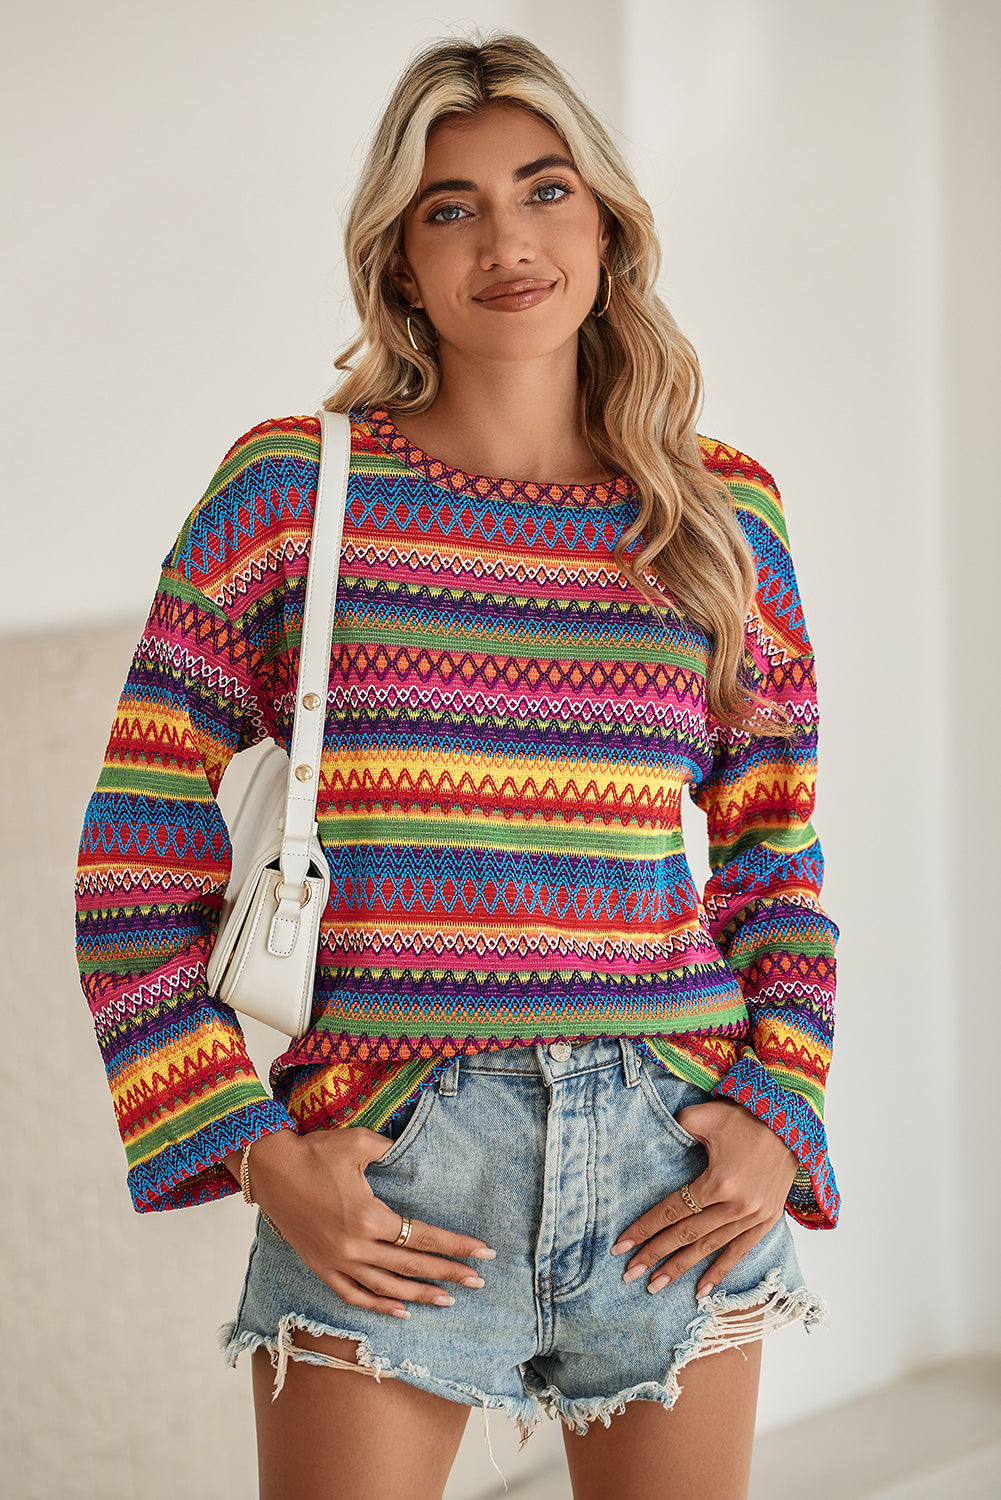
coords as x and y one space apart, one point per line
510 728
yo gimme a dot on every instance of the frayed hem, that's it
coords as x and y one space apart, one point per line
524 1413
716 1326
283 1348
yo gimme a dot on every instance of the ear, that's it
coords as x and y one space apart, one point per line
604 236
402 277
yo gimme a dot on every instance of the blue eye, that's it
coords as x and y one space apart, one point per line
454 213
553 187
446 208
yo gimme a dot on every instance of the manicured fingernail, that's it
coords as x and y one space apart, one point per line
621 1246
473 1281
443 1301
399 1312
658 1282
633 1273
483 1254
703 1289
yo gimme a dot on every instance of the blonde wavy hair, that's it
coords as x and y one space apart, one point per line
640 384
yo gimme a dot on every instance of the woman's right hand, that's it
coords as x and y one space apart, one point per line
315 1189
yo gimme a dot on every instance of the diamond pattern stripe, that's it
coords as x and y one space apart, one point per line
509 730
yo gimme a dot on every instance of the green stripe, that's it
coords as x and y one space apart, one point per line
180 1128
761 503
487 645
789 840
177 587
386 1100
264 446
516 1030
686 1067
679 1062
155 783
492 645
797 1084
340 832
377 463
737 960
131 964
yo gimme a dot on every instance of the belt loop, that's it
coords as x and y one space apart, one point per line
631 1062
448 1083
543 1061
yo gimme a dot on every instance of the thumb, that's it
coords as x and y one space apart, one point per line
699 1120
372 1144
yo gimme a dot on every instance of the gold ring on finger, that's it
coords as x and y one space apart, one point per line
690 1202
404 1234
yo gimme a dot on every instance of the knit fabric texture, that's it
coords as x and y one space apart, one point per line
510 728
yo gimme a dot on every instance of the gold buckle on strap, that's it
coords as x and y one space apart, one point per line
305 898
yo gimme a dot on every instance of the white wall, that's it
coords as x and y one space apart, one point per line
179 182
970 42
792 156
818 175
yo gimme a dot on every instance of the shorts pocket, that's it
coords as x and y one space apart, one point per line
666 1093
409 1128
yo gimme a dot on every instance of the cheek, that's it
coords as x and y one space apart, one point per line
582 267
575 246
440 269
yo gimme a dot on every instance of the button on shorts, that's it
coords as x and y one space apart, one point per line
547 1154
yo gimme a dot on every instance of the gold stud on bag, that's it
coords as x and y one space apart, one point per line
263 962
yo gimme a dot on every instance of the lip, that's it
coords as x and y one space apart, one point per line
510 289
513 296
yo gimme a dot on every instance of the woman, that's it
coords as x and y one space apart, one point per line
594 1085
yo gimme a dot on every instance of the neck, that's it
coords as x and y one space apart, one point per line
518 419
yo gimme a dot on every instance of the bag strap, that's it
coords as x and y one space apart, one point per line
299 824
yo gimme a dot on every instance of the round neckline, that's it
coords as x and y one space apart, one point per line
488 486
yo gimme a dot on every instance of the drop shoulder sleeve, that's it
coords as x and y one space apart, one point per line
154 862
762 901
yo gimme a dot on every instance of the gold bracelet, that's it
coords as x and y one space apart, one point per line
245 1188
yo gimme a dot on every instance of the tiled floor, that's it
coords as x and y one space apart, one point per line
934 1436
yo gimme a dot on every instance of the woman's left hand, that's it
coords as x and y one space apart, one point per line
742 1193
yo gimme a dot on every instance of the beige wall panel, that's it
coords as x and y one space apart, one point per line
111 1307
112 1384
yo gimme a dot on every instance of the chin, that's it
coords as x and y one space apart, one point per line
518 343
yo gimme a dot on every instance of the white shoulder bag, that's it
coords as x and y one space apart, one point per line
263 962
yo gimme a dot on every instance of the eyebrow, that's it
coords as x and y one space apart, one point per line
463 185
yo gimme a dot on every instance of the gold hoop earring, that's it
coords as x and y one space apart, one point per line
410 335
608 291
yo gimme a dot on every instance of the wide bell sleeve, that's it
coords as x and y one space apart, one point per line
762 901
154 861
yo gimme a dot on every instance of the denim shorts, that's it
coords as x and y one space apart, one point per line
547 1153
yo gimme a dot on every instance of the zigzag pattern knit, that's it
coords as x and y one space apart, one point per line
510 728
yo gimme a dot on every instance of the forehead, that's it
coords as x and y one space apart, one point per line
496 135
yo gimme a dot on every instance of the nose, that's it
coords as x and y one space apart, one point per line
504 242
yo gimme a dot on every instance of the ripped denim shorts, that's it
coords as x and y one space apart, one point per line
548 1153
